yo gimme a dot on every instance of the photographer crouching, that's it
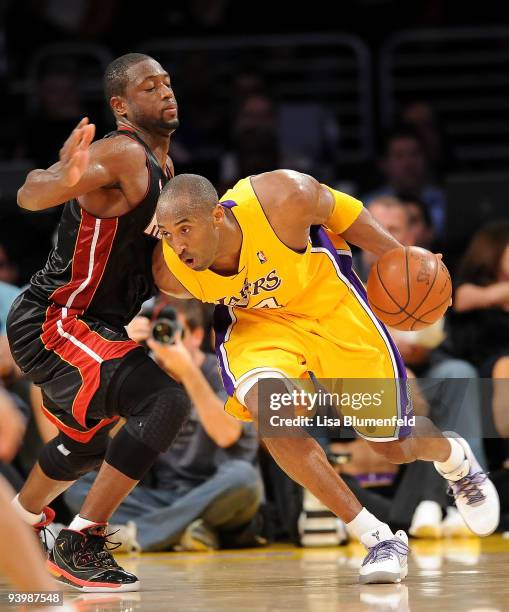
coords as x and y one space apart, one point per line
204 493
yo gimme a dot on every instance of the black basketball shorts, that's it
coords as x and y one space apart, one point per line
78 362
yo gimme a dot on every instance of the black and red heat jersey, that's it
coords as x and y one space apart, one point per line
103 266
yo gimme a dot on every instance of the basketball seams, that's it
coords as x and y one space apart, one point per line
430 288
419 319
401 308
435 307
416 317
411 315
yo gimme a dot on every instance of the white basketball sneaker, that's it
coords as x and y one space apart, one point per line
386 561
427 521
475 495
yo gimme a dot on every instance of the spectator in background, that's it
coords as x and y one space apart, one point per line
255 141
407 170
421 230
245 84
59 108
22 396
8 269
10 410
199 143
393 216
205 490
8 293
421 116
480 322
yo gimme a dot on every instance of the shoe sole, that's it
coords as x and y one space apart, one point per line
89 587
380 578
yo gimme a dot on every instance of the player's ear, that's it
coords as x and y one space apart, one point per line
118 105
218 214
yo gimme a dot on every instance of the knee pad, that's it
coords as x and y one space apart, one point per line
157 424
154 405
155 408
66 459
146 434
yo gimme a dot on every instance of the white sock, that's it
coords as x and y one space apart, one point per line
454 467
365 521
29 517
78 523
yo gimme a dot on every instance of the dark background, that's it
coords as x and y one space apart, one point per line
331 78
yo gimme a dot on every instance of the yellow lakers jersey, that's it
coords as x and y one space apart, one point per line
271 275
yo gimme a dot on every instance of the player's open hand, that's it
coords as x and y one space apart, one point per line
74 155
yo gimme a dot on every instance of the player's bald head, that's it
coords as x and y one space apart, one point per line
186 195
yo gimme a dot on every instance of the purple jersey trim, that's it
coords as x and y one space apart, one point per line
319 238
228 203
221 323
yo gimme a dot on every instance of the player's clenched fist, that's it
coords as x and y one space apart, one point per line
74 155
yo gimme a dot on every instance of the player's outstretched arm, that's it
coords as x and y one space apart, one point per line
163 277
83 167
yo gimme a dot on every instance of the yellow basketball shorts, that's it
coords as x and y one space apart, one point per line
349 349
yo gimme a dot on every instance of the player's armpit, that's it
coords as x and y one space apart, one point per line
163 277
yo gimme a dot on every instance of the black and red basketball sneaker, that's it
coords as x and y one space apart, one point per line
42 530
82 559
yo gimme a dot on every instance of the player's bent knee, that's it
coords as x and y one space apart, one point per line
248 391
66 459
154 405
159 421
148 432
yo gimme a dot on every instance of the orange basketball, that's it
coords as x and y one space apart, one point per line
409 288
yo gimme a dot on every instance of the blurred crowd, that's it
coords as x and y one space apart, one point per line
216 487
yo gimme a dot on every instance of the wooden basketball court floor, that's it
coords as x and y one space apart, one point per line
467 575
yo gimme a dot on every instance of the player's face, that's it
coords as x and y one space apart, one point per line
195 239
405 165
150 100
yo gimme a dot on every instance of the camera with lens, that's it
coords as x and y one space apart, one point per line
166 326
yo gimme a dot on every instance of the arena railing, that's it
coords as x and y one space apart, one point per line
464 74
329 71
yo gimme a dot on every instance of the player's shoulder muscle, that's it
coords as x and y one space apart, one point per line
287 191
117 157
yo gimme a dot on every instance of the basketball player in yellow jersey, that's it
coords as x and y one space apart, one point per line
273 256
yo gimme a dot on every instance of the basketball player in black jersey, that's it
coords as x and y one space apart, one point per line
66 331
